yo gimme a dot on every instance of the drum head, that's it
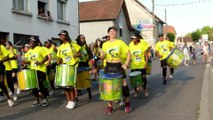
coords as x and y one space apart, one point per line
111 76
135 73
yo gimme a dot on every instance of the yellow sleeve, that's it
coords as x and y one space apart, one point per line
76 47
4 51
44 51
157 47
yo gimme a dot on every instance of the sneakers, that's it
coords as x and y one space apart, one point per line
146 94
128 108
170 76
18 91
44 103
10 103
70 105
52 92
36 104
164 82
15 97
121 103
109 110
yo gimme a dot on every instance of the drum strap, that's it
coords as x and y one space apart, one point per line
170 54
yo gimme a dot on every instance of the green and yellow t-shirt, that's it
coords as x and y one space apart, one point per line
53 55
37 54
115 50
66 52
144 43
13 63
84 54
3 53
163 47
138 55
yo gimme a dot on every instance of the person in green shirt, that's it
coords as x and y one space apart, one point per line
68 53
163 49
139 61
36 57
4 56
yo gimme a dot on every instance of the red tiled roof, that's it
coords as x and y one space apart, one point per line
184 39
169 29
100 10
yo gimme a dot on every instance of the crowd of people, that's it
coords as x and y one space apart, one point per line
109 54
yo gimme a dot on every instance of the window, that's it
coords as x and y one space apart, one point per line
61 10
42 8
20 5
20 39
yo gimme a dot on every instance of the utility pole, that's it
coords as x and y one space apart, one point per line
165 21
153 17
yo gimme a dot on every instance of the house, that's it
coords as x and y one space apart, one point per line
142 19
97 16
21 19
169 29
182 40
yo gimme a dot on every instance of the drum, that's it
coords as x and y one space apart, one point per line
149 67
110 87
27 79
174 58
83 78
65 76
136 79
101 73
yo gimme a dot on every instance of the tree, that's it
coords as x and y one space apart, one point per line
207 30
171 36
195 36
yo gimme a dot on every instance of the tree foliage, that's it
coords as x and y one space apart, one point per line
196 35
171 36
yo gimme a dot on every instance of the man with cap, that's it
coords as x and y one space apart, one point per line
51 64
68 53
36 57
163 48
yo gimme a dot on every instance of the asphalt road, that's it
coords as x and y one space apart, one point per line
178 100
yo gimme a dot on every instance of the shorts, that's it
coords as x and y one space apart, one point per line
115 68
163 63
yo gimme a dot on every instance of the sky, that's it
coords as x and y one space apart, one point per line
185 18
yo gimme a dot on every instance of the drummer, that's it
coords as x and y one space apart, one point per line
68 52
163 47
51 65
86 56
4 56
114 51
139 61
36 57
14 67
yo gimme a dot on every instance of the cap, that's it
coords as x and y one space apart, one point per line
33 39
133 36
26 45
63 32
48 41
160 35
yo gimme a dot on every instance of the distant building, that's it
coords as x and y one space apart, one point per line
21 19
142 19
169 29
182 40
97 16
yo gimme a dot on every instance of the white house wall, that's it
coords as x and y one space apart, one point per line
121 23
94 30
11 22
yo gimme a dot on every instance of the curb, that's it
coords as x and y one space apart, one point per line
206 106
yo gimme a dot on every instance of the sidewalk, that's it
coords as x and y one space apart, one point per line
206 102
